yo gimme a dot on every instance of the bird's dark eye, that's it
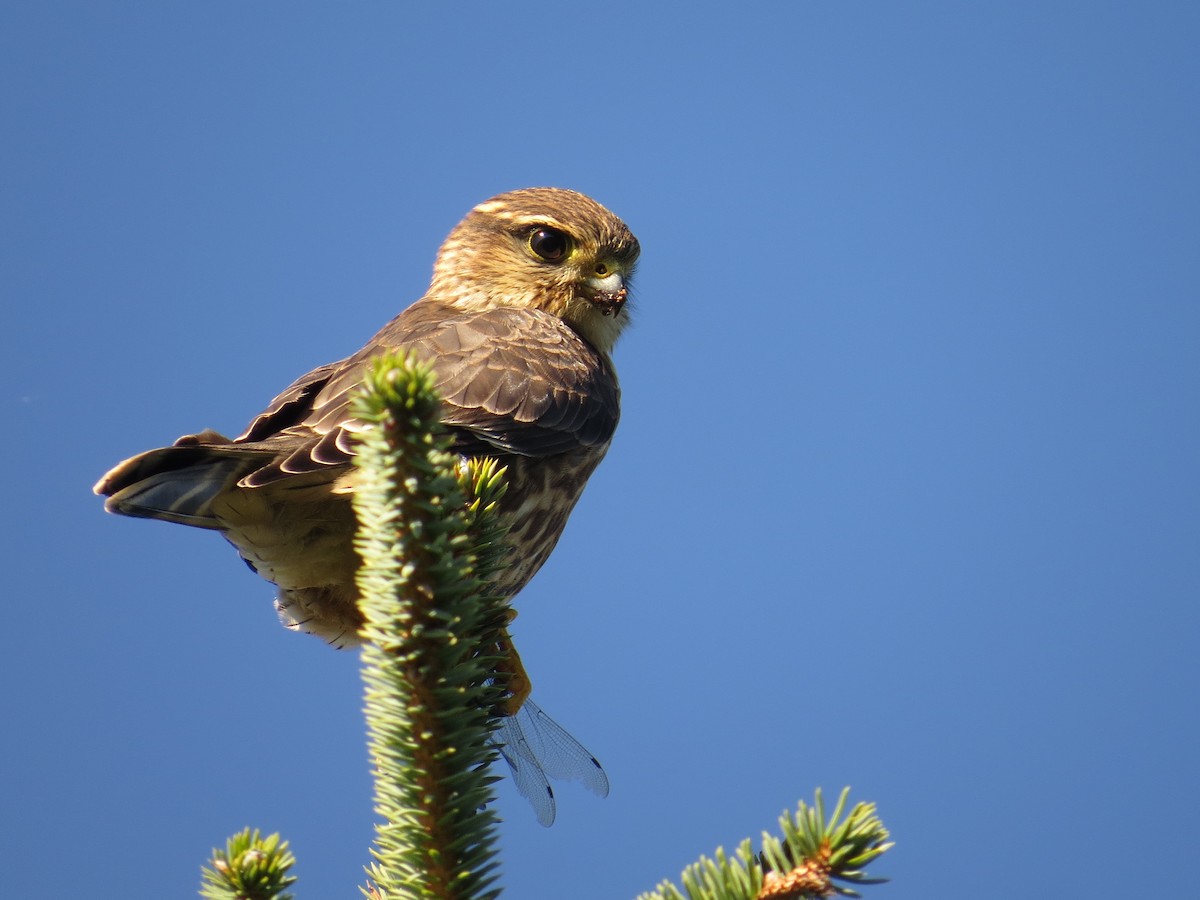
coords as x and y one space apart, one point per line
550 244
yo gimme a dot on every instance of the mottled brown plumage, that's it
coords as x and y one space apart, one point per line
526 301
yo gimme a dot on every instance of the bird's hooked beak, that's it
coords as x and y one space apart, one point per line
607 292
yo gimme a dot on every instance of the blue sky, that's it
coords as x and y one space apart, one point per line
905 494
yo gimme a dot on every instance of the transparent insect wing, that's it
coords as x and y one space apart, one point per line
537 748
527 774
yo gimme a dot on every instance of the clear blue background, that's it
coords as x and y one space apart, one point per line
905 495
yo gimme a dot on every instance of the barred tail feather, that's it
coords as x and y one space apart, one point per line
175 484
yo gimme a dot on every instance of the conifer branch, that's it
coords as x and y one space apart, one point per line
250 867
815 857
431 631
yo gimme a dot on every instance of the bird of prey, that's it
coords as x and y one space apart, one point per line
528 296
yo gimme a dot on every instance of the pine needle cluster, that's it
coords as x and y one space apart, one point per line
427 540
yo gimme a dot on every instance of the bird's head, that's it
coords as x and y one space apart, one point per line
542 248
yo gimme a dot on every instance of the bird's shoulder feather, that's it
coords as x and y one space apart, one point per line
512 380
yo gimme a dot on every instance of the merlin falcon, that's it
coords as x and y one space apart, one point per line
528 296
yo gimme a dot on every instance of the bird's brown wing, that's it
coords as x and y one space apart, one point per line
513 381
520 382
292 405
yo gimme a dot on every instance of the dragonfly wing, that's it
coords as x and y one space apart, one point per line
537 748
